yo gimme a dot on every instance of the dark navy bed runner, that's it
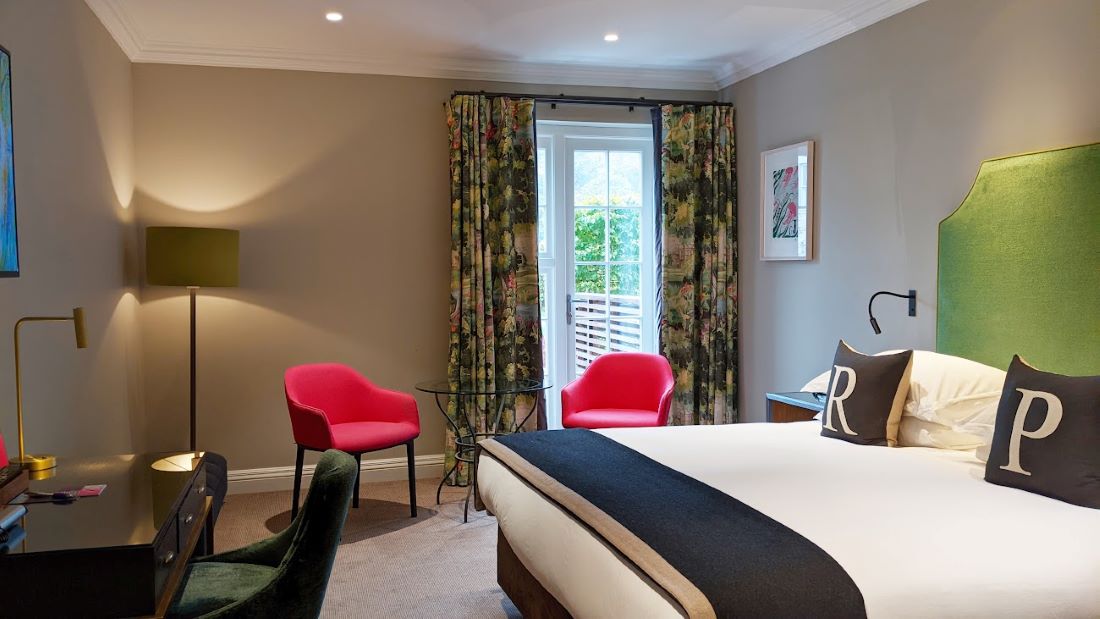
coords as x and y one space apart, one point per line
744 562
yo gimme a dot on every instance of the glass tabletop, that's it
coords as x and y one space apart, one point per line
523 385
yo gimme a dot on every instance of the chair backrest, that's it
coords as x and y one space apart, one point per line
334 388
305 569
627 380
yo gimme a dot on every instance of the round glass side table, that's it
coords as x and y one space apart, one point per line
468 430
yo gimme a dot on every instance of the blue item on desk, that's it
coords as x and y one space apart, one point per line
11 538
10 516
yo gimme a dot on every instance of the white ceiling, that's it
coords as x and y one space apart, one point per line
702 44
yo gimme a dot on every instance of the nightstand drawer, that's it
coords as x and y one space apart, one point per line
793 406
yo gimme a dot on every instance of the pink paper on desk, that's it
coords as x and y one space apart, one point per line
95 490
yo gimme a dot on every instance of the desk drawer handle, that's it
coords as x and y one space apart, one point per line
189 518
168 558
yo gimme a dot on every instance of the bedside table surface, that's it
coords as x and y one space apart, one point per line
801 399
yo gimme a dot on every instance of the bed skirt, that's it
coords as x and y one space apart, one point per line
521 586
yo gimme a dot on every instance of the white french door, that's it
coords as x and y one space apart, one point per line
596 233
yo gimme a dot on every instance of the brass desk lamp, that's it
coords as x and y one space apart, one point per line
43 462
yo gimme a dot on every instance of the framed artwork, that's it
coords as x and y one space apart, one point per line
9 244
787 202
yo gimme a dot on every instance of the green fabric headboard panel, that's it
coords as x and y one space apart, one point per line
1019 264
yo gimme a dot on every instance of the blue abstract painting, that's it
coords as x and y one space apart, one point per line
9 245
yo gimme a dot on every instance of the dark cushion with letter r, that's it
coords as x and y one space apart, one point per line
1046 438
866 396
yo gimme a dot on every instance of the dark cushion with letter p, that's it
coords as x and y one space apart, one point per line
866 396
1046 438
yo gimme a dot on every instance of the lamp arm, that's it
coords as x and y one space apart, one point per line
871 302
18 373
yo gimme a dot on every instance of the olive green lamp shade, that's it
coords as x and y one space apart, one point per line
202 257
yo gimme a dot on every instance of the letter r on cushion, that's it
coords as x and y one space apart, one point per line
838 400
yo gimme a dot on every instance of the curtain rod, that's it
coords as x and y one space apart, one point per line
590 100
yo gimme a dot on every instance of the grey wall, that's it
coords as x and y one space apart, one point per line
339 186
74 183
902 113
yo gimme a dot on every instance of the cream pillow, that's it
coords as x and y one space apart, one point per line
952 401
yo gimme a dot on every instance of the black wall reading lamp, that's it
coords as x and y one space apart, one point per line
912 296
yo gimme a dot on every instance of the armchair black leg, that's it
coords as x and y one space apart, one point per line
412 477
297 481
358 472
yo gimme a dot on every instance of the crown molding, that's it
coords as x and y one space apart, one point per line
443 68
857 16
119 25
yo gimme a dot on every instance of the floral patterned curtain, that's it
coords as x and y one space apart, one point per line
698 331
495 331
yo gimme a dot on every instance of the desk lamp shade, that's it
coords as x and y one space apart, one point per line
191 256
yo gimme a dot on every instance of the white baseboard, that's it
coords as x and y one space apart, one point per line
276 478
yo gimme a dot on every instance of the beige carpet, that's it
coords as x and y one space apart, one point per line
388 564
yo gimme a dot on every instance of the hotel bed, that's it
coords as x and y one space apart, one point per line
903 532
917 529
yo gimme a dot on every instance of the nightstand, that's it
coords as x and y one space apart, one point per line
792 406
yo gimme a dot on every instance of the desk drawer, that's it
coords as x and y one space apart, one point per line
166 553
190 514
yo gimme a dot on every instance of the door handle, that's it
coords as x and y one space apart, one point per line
568 309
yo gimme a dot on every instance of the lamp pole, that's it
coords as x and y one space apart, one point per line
194 417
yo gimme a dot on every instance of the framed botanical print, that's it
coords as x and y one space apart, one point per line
9 247
787 202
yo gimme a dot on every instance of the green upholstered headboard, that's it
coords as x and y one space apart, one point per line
1019 264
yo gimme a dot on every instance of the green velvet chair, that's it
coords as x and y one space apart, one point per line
282 576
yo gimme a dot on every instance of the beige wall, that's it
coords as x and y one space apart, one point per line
902 113
74 182
339 186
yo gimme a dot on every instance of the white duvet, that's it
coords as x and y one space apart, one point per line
917 529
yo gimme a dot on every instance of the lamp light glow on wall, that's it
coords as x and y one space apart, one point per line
40 462
912 296
192 258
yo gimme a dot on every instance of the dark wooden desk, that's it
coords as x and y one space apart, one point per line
792 406
120 554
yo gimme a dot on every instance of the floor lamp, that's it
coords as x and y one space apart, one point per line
193 258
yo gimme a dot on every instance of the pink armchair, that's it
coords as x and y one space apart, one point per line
334 407
619 390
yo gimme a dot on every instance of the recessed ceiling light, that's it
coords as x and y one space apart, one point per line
610 37
333 16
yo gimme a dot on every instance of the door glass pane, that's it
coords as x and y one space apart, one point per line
625 179
544 317
590 178
541 159
625 335
626 234
591 280
626 280
591 342
589 234
543 214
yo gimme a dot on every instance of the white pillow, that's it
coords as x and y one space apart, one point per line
952 401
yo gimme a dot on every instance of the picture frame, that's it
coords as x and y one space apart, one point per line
787 202
9 232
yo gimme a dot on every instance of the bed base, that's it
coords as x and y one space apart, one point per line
525 591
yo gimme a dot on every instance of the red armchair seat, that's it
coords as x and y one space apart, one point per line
619 390
363 436
334 407
614 418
